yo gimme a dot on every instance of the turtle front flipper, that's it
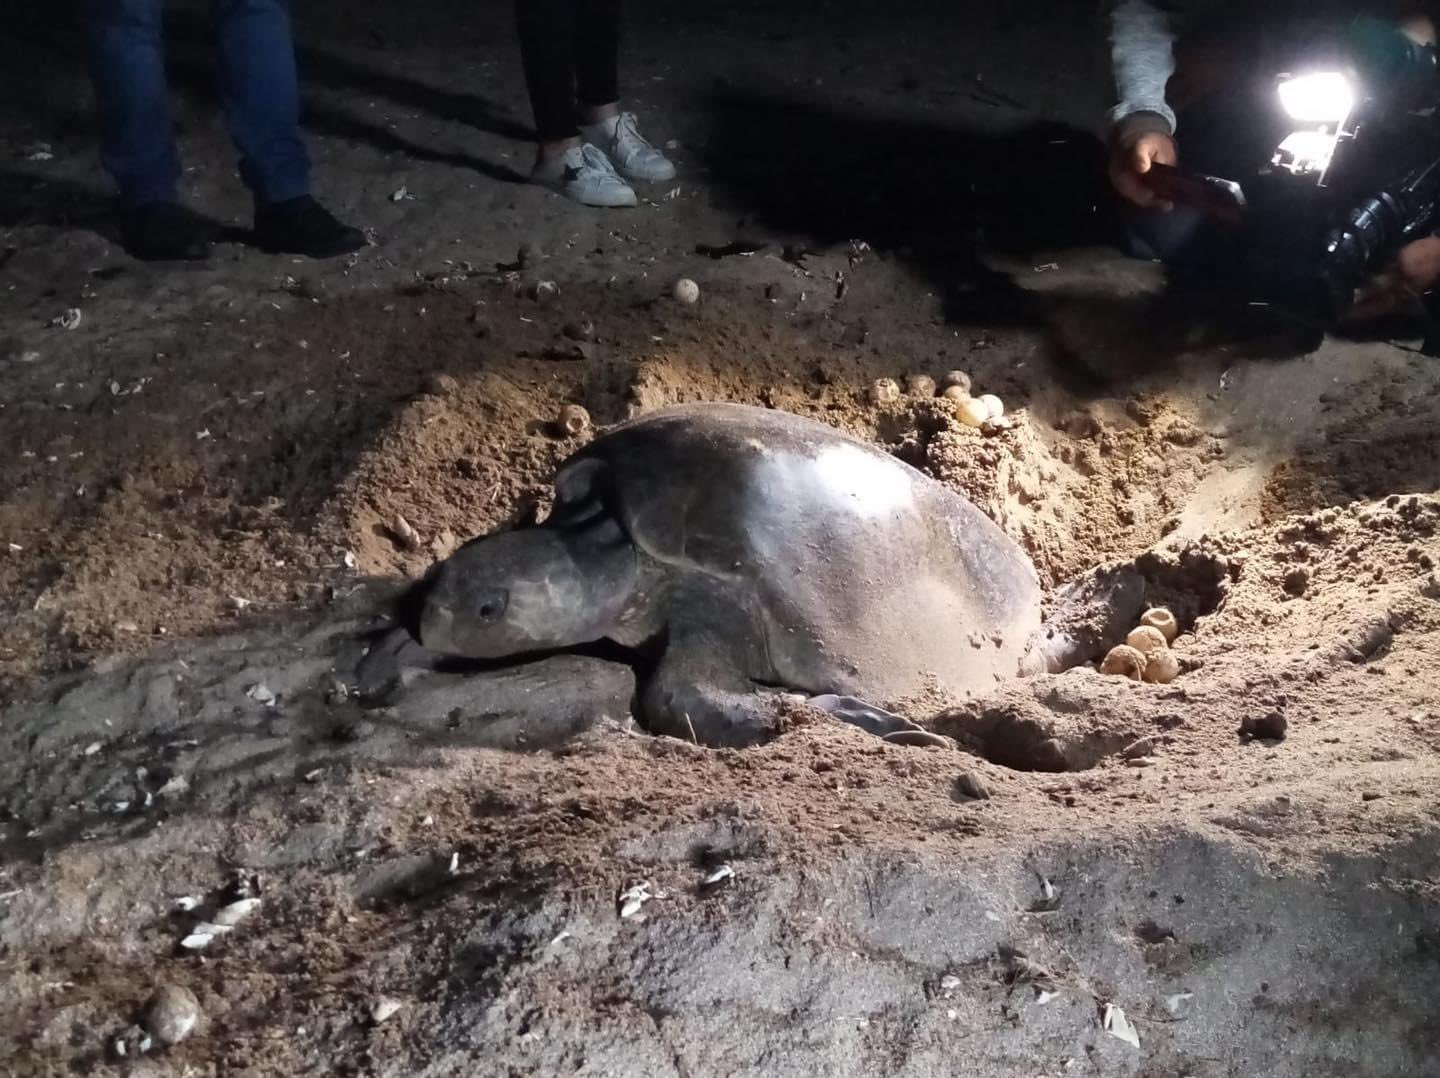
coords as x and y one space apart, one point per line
695 696
380 674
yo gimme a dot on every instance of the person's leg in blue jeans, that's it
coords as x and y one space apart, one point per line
262 97
126 48
127 61
262 107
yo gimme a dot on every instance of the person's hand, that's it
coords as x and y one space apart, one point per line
1132 158
1415 272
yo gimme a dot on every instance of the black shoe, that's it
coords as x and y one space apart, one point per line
301 226
165 232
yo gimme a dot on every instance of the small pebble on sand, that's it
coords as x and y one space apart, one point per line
1270 727
973 786
440 385
171 1013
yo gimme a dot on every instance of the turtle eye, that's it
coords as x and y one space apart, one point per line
491 605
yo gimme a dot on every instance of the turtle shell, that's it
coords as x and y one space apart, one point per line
866 576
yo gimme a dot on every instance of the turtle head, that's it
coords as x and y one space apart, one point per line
534 589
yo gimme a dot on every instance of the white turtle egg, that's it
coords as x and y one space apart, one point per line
1158 617
686 291
1147 640
573 420
1161 667
956 380
994 406
1124 661
919 385
972 412
884 391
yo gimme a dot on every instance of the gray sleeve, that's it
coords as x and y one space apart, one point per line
1142 39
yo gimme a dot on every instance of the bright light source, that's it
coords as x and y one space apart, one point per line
1306 151
1322 97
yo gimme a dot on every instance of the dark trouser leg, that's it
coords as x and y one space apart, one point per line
262 97
547 49
127 64
597 53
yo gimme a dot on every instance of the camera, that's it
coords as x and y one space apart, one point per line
1355 177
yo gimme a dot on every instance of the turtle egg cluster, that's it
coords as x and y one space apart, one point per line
1146 654
984 412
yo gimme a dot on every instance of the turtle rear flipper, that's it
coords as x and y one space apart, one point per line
1090 615
868 717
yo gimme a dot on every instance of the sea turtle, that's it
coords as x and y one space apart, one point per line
749 551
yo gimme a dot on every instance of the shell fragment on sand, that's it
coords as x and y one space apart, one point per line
1117 1025
203 934
632 900
384 1008
404 534
719 875
236 912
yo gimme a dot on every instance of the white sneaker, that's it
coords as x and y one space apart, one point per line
586 175
634 158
